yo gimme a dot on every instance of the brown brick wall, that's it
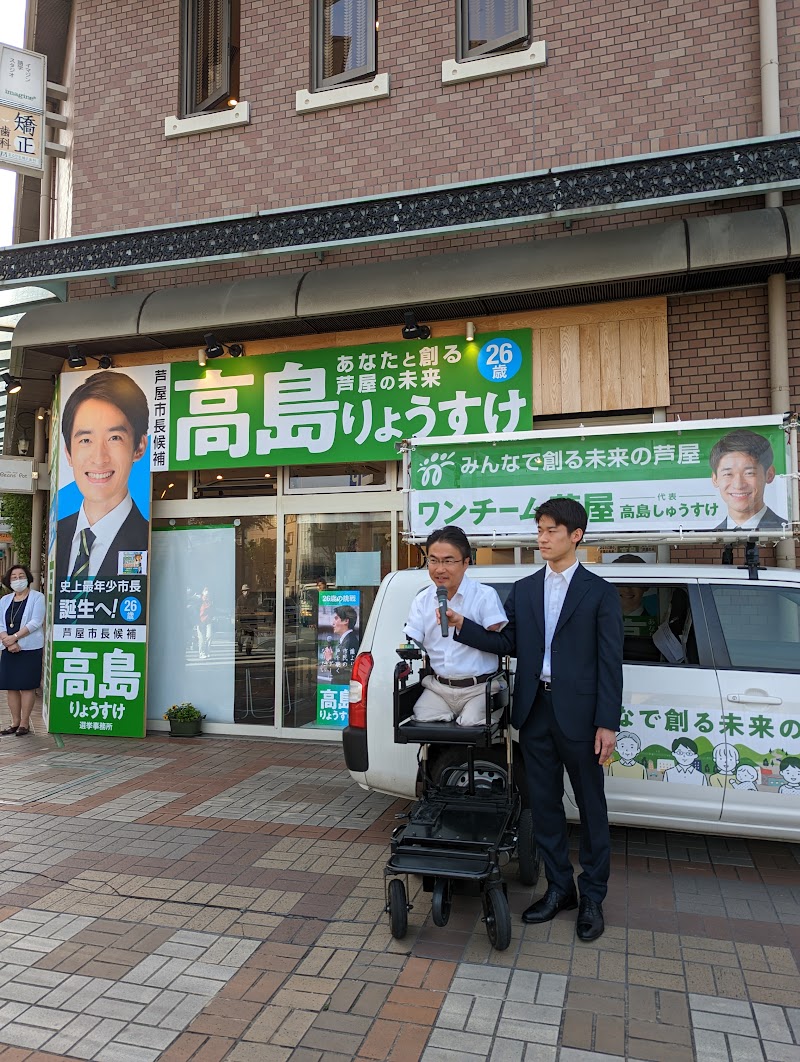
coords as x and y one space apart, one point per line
621 79
719 366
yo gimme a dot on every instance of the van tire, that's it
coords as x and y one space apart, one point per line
445 764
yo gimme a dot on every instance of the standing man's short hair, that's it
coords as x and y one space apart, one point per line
347 614
453 536
743 441
565 512
118 390
687 744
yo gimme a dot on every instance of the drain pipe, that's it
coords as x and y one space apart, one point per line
780 398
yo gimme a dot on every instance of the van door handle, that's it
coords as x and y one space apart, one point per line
746 698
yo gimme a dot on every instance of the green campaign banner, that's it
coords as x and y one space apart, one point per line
338 639
108 427
686 476
343 404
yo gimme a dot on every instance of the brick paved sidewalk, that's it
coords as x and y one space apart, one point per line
215 899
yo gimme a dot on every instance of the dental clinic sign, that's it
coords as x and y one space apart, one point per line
687 476
23 82
345 404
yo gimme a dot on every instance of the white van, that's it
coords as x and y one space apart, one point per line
710 733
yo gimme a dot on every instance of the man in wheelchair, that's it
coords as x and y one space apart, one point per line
457 687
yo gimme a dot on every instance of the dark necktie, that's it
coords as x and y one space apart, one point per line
81 569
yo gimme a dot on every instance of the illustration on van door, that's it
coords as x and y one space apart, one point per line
742 751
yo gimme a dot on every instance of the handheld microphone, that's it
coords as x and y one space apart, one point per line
441 597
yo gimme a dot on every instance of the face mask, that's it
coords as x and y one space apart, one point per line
18 585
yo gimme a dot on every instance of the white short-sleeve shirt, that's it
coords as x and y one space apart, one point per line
449 658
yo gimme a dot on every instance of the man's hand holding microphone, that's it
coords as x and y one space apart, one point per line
445 616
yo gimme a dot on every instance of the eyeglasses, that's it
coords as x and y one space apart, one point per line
446 562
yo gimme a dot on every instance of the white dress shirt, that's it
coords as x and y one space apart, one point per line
449 658
105 531
556 585
747 525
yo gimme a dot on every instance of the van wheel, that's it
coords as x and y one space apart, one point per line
450 766
528 858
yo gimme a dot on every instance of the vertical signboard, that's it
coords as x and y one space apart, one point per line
338 638
23 83
98 656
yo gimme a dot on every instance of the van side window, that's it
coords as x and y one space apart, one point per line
503 590
658 624
761 625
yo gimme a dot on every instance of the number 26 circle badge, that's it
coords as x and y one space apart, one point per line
499 359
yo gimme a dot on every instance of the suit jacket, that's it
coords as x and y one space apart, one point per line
768 520
586 654
347 648
133 535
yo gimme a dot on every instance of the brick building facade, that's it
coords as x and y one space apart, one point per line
655 112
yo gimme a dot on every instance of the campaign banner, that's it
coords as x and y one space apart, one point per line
752 751
685 476
100 537
338 639
344 404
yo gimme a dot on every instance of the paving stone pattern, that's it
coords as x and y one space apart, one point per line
220 898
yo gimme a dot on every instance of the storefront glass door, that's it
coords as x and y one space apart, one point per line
333 566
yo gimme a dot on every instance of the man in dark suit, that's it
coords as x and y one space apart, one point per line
345 619
565 628
742 464
104 425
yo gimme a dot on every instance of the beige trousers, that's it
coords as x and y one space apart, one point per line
442 703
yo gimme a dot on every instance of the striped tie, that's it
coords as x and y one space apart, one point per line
82 560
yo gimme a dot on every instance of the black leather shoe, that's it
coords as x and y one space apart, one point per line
590 924
550 904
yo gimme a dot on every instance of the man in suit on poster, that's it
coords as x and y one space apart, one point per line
565 628
742 464
104 425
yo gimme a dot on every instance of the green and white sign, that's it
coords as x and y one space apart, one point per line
345 403
696 476
107 428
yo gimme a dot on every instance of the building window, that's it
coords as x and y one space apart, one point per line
210 55
344 41
486 27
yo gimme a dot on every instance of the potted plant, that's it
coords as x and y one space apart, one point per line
184 720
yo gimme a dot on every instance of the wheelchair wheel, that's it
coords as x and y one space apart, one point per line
530 862
442 901
398 909
497 916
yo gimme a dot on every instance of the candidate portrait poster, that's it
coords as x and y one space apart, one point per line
107 427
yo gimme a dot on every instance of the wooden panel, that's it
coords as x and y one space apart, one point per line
633 309
570 343
591 376
630 347
536 348
647 341
661 342
551 370
610 373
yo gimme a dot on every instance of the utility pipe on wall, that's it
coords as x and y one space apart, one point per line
780 398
